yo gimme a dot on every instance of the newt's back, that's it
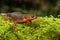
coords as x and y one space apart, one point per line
20 15
15 15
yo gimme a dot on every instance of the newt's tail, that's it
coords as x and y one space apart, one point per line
3 14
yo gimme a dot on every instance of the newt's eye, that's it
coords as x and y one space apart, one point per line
33 16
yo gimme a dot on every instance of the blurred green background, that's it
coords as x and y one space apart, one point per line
39 7
45 27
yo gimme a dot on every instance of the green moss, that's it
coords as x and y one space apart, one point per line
43 28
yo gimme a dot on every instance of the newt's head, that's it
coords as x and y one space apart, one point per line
28 17
33 16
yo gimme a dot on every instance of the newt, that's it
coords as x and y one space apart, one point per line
19 17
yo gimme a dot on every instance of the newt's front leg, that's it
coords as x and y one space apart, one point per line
29 22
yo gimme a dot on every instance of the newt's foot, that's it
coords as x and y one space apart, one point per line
13 28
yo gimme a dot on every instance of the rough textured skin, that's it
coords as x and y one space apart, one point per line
20 16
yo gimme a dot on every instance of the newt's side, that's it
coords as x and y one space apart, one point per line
18 17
